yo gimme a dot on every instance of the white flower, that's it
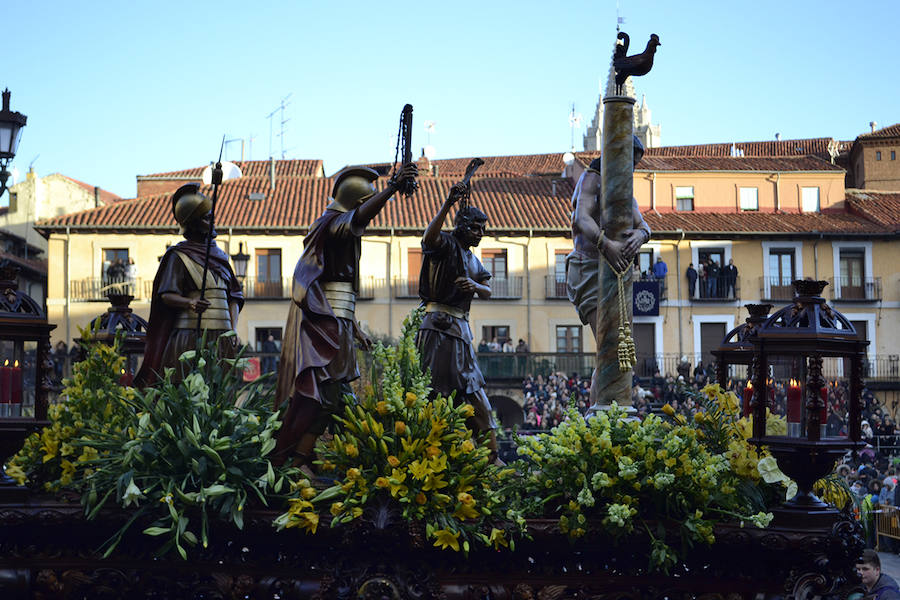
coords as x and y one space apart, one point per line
132 494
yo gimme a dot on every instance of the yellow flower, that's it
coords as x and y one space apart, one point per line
356 512
396 483
393 460
16 472
432 451
420 498
465 511
444 538
410 399
467 410
305 520
699 416
308 493
351 450
400 428
382 482
667 408
418 469
381 407
434 482
337 508
465 498
467 446
353 474
498 538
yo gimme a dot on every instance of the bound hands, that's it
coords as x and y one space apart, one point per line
466 284
619 254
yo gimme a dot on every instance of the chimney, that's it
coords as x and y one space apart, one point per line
777 137
272 172
423 163
96 196
873 125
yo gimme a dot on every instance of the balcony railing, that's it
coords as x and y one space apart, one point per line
855 289
267 289
507 288
717 289
555 288
775 288
406 287
515 365
98 289
368 286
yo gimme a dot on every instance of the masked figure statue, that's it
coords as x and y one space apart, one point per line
318 353
451 276
176 304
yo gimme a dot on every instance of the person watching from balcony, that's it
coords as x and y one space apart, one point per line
318 348
590 242
450 277
691 275
731 275
176 306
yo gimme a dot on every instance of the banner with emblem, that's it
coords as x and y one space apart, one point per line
646 298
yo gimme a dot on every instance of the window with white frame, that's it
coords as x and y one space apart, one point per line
809 199
749 198
684 198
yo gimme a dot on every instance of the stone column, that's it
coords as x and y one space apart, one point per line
617 170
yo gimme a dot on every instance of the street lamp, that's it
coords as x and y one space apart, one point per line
240 261
11 124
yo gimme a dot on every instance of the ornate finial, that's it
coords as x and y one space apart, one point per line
807 288
6 95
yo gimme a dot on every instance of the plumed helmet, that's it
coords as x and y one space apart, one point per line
189 204
352 186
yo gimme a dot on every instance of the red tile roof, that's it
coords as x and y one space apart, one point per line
727 163
104 196
880 207
799 147
514 204
884 132
516 165
253 168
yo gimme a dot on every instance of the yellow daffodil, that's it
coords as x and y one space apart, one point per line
434 482
419 469
381 407
498 538
400 428
351 450
467 410
444 538
393 460
410 399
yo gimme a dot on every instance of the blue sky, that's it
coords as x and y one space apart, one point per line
117 89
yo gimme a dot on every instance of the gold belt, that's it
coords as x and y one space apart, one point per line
217 316
341 297
431 307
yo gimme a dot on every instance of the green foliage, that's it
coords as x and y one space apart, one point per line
60 455
623 474
399 449
191 452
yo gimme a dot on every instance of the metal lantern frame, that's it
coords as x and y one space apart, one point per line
736 347
810 330
11 124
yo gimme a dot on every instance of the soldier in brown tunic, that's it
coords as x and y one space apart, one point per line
176 304
318 353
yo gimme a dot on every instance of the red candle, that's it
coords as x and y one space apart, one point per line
5 389
748 396
794 403
15 391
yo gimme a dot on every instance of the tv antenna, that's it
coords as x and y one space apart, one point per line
282 121
574 123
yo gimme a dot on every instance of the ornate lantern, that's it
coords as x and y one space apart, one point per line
11 124
806 331
24 369
240 260
120 319
736 347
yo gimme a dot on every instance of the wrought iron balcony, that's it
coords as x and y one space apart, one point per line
855 289
267 289
406 287
555 288
98 289
776 289
506 288
717 289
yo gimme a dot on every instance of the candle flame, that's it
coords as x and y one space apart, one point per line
6 364
122 371
16 364
750 385
794 383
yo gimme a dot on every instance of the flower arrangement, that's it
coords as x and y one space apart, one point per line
61 455
623 474
397 449
188 453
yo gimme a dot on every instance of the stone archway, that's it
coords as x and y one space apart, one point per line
509 412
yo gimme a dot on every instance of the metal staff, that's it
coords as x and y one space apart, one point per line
404 140
216 180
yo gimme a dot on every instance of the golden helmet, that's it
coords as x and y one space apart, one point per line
352 186
189 204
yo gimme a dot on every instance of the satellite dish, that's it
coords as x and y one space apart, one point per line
229 171
429 152
568 158
429 126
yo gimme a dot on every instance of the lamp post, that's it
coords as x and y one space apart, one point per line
11 124
240 260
